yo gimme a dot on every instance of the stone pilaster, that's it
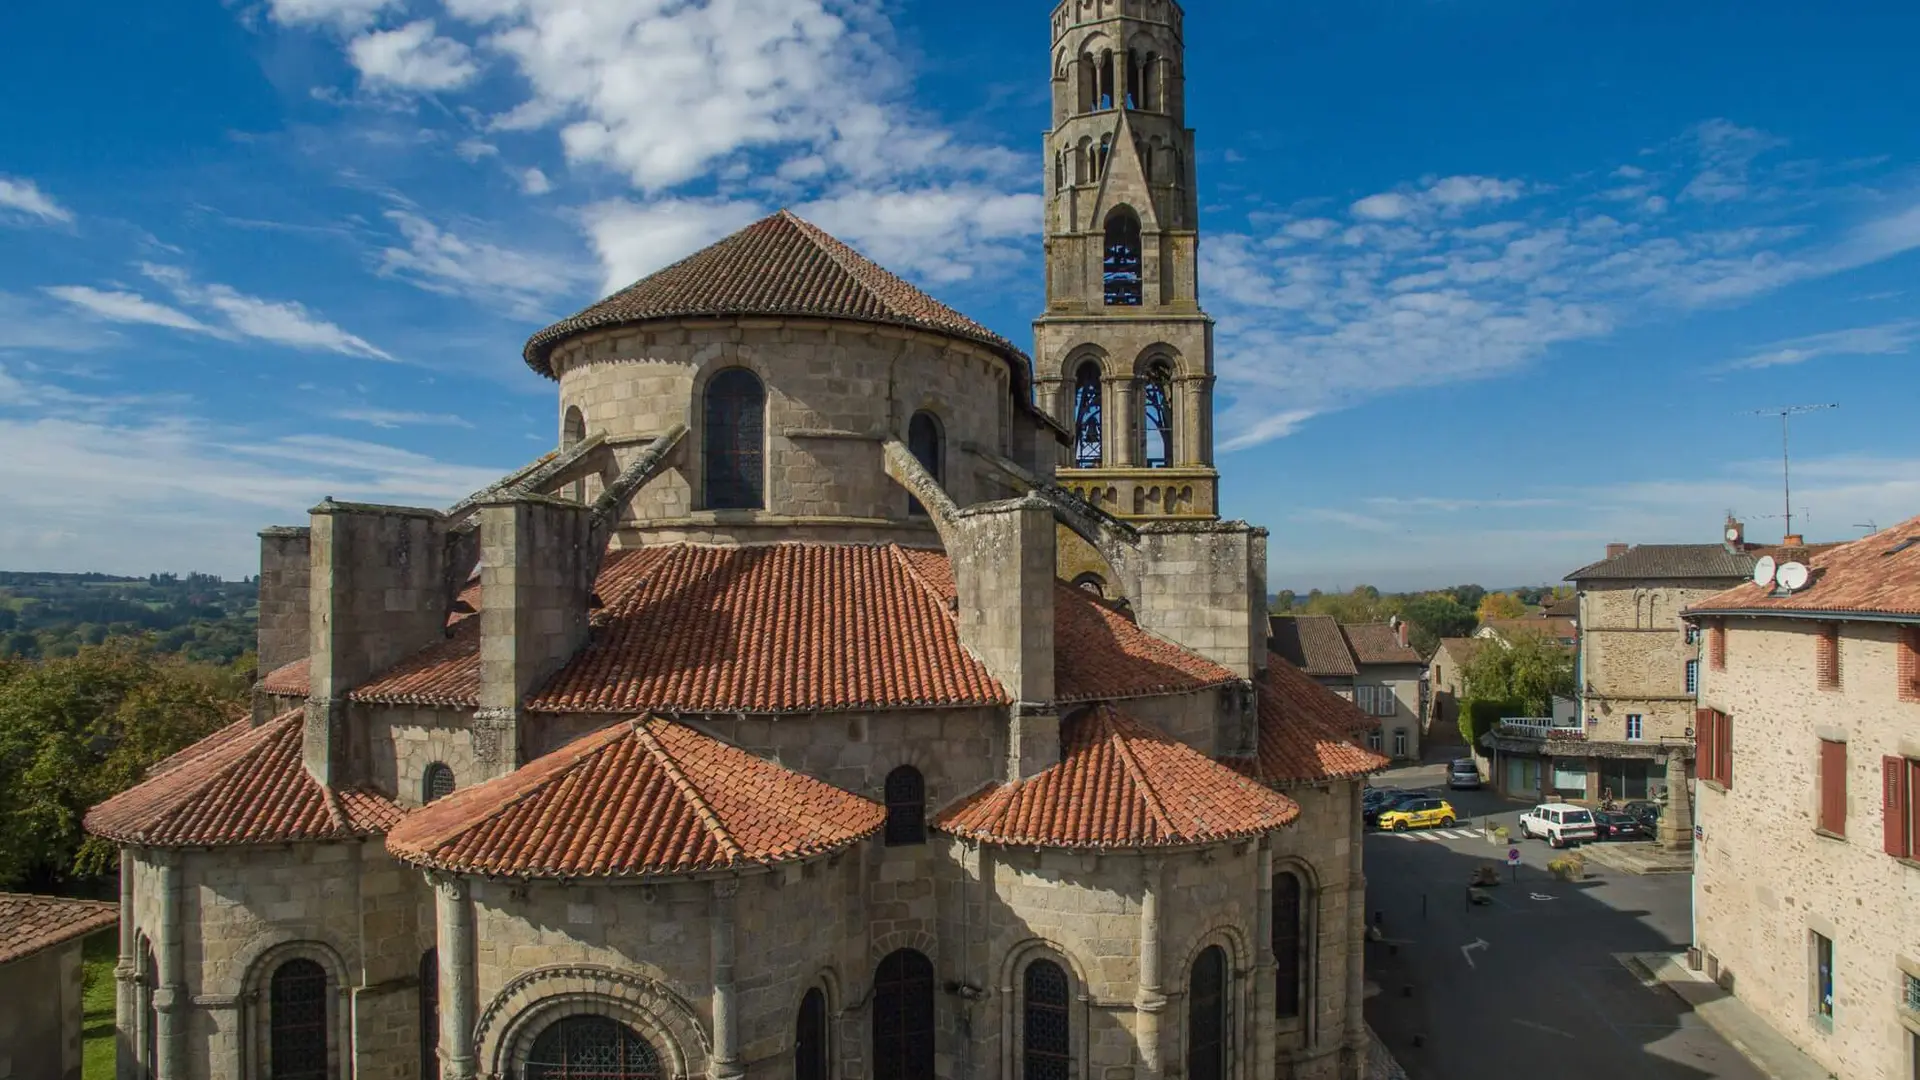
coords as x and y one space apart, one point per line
126 990
459 988
726 1024
170 997
1149 1002
1264 965
1355 1057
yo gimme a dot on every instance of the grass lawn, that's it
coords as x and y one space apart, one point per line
98 955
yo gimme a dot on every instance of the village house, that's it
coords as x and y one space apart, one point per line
1446 685
1807 866
1370 664
40 1008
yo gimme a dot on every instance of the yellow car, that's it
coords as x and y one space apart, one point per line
1418 813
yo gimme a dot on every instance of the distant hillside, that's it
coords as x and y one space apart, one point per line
200 617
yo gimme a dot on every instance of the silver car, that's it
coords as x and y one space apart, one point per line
1463 773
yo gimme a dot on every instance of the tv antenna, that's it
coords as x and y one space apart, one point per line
1786 413
1870 525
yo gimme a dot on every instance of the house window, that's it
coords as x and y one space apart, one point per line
810 1037
1121 270
436 783
1289 945
1717 646
1912 996
1713 746
923 439
906 794
1899 783
1399 742
1373 739
1693 634
1636 725
735 415
1907 667
1156 414
297 1021
430 1013
588 1047
1827 656
903 1017
1693 676
1833 787
1823 977
1086 416
1207 1016
1363 697
1044 1031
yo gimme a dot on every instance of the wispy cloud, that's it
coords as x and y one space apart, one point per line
338 14
282 322
23 198
395 418
1886 339
126 307
412 57
439 260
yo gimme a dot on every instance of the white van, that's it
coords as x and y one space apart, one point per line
1559 824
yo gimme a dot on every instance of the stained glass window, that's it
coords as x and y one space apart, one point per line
436 783
1086 416
735 416
1286 945
1045 1035
906 807
1207 1016
1156 408
903 1017
810 1038
590 1048
297 1021
1122 270
923 438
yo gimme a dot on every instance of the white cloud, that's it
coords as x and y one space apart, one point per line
126 307
1383 207
1726 152
635 239
441 261
1447 195
937 234
535 182
25 197
339 14
244 316
395 418
412 57
1886 339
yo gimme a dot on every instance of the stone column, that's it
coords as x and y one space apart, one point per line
170 993
1265 966
126 991
1676 819
1355 1028
459 989
726 1033
1120 423
1148 1001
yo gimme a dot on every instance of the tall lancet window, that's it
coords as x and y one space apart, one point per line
1086 416
1156 414
736 406
1122 267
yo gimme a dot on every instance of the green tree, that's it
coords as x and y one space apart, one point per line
1363 604
1435 616
1467 596
1500 606
1527 671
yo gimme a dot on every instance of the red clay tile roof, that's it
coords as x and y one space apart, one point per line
1877 575
791 627
642 797
240 785
1311 642
30 923
1307 731
1553 628
1378 643
779 265
1120 784
288 680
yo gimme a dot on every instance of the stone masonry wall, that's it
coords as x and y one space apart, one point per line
1634 653
1766 881
285 620
402 740
40 1022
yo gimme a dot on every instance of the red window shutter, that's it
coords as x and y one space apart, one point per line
1833 786
1717 645
1893 806
1724 742
1909 664
1703 743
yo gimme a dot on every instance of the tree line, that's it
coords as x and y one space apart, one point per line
1455 611
200 617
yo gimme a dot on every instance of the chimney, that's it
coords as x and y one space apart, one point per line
1203 585
376 596
1399 629
1794 540
285 621
1736 533
538 561
1004 561
1614 551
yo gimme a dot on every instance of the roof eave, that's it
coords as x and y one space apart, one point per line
1823 614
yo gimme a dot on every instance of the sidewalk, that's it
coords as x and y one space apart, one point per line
1638 857
1380 1063
1769 1051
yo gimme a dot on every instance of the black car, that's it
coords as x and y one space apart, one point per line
1646 813
1615 825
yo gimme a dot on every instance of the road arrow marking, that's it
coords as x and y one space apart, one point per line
1538 896
1467 951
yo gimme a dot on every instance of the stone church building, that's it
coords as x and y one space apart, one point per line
847 696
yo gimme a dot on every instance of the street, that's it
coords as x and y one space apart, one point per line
1529 979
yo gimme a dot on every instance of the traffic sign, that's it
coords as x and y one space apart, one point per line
1513 856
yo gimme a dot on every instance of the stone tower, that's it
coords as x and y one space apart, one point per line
1123 355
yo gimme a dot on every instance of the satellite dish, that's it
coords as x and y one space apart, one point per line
1763 571
1791 576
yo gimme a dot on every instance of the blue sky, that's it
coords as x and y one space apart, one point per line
1496 282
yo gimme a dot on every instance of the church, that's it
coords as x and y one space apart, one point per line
846 696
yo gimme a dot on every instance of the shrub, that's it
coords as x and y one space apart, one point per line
1568 867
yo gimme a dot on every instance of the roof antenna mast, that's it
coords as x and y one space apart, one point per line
1785 412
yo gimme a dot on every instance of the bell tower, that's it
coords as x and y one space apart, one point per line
1123 355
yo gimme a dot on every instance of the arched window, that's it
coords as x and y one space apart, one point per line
1149 83
1156 416
1086 416
436 782
1207 1016
923 438
735 422
1122 270
1106 151
430 1014
297 1021
1091 582
906 807
1086 89
810 1037
1044 1027
1106 80
572 432
903 1017
1289 946
1133 79
1060 171
587 1047
149 1015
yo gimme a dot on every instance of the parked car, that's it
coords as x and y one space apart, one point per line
1418 813
1617 825
1646 813
1394 798
1463 773
1559 824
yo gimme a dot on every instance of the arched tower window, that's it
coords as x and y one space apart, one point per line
906 807
1122 265
903 1017
572 432
587 1047
297 1021
735 422
1106 79
430 1013
1044 1023
1207 1016
1289 945
1156 415
1060 171
810 1037
1086 416
923 438
436 782
1081 161
1133 79
1149 83
1106 151
1086 84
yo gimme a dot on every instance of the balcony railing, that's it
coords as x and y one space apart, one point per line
1541 727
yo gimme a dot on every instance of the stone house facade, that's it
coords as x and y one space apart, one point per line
1369 664
40 983
1446 682
1807 874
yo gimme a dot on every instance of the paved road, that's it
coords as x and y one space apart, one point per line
1527 984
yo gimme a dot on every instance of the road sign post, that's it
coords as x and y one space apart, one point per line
1513 862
